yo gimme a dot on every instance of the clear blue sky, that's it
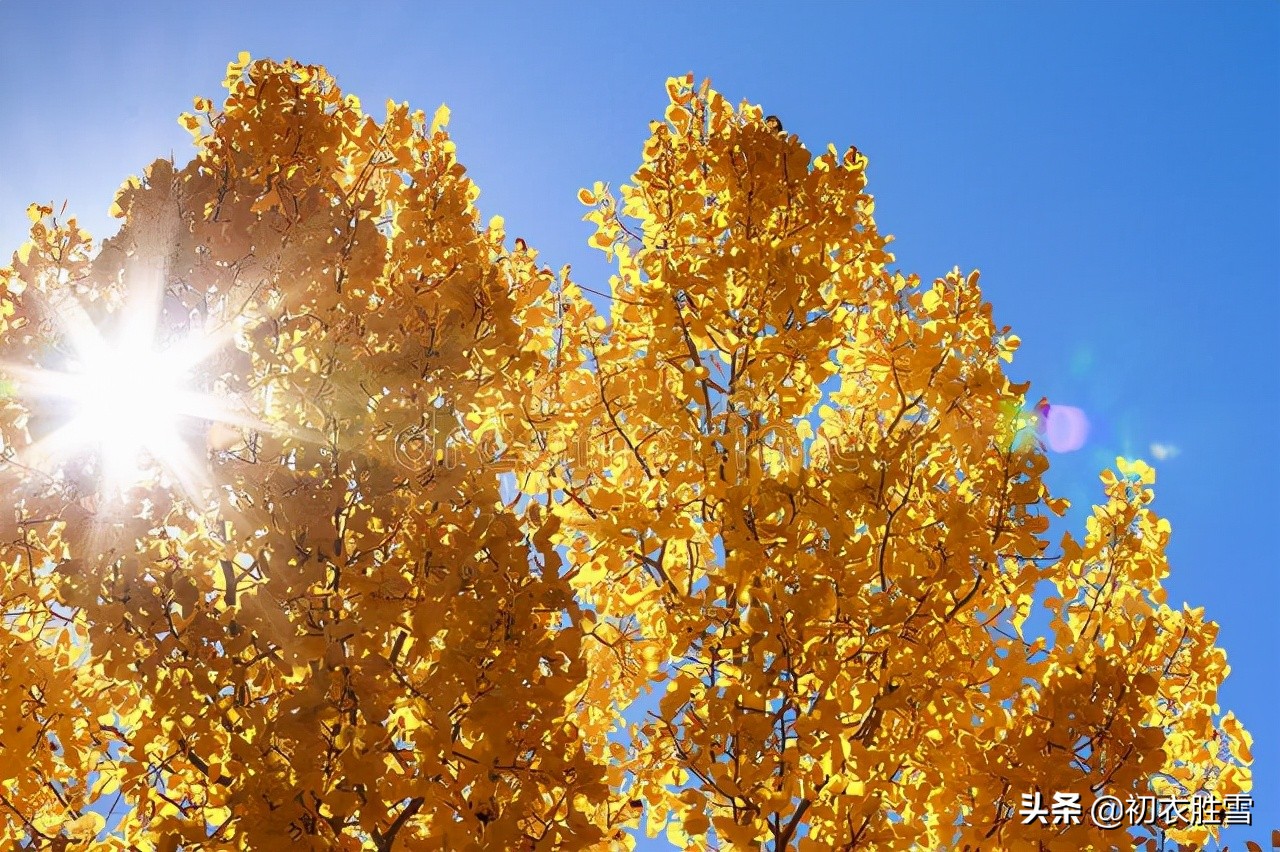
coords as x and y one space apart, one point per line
1111 169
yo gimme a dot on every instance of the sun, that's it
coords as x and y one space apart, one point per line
129 401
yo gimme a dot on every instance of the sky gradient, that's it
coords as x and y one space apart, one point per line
1112 169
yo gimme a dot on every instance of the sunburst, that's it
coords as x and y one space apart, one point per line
132 400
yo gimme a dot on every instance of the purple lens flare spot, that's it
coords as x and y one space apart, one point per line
1063 427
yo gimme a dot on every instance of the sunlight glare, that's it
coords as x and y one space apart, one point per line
129 397
128 401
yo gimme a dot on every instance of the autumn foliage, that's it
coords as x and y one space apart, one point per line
442 523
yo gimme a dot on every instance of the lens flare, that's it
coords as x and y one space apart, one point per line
129 401
1063 428
1059 428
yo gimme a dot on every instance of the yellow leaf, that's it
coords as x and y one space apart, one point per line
85 829
440 120
696 824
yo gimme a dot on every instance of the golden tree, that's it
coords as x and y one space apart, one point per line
263 582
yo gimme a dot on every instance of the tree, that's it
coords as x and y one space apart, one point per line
268 587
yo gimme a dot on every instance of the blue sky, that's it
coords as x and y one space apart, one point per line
1111 169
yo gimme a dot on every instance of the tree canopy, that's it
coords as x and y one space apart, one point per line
389 528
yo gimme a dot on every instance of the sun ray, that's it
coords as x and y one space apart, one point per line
123 403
